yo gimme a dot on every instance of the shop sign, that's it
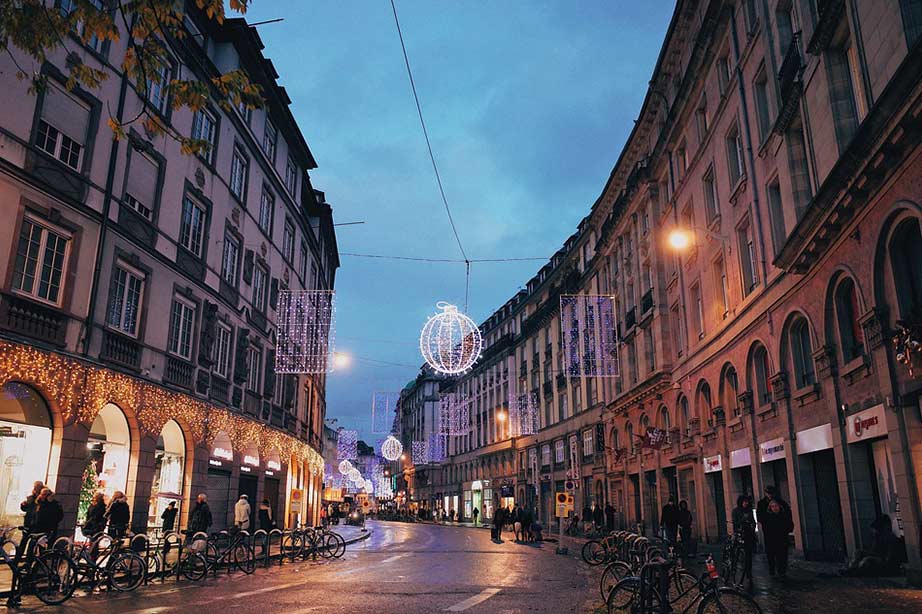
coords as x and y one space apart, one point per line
274 465
223 453
712 464
244 468
215 462
772 450
867 424
7 431
740 458
295 501
815 439
252 461
270 473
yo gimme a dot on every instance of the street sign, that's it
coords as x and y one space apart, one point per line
295 501
569 486
563 505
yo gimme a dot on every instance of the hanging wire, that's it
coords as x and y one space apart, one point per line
450 260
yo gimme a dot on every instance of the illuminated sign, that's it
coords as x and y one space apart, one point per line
274 465
270 473
223 453
251 460
244 468
214 463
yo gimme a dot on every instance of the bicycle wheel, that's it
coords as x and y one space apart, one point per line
292 546
683 590
125 571
52 577
614 573
594 552
327 546
622 597
728 601
193 566
245 558
340 545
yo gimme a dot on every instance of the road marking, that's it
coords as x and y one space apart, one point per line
393 558
472 601
267 589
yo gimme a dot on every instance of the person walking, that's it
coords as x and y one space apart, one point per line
587 517
609 517
169 518
29 503
499 517
669 520
242 513
528 522
95 521
200 519
684 521
744 527
771 494
118 514
598 517
517 524
475 514
777 523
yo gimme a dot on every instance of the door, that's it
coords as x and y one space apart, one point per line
715 484
219 498
271 488
248 487
824 535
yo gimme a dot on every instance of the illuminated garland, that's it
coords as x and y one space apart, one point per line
79 391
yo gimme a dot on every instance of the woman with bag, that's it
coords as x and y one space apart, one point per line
95 516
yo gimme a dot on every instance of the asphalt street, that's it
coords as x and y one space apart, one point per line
403 568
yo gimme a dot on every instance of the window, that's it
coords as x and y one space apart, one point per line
245 112
302 265
558 451
291 177
802 353
784 17
906 262
752 16
629 433
681 157
141 183
260 288
270 139
545 455
720 282
763 111
240 168
577 399
230 259
650 349
711 203
182 321
664 421
266 205
747 252
204 128
588 443
697 302
125 293
254 363
684 417
222 350
63 126
69 6
797 163
40 261
850 333
776 215
562 406
723 73
288 241
759 375
701 119
846 93
735 155
912 19
158 81
677 330
730 390
192 226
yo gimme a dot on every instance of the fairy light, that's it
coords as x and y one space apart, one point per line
347 445
345 467
523 414
420 452
305 331
383 410
450 341
391 449
454 413
590 338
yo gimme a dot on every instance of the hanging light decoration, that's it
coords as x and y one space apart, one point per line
344 467
369 486
450 341
355 475
391 449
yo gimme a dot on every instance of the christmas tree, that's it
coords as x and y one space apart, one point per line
87 489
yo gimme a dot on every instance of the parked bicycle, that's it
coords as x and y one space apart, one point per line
230 549
103 560
47 573
635 552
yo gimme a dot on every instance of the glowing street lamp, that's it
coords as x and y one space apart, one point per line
679 239
501 415
341 360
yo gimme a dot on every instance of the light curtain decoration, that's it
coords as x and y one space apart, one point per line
590 338
306 331
347 445
523 414
454 413
383 411
420 452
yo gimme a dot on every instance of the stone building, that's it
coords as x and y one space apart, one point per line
139 287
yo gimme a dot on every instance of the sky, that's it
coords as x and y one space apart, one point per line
528 105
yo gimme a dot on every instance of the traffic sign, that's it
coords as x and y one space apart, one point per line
563 505
569 486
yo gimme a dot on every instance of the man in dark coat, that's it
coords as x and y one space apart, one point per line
598 517
169 517
777 523
609 517
200 518
48 514
28 505
499 517
669 520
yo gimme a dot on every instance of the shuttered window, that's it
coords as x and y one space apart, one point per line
141 184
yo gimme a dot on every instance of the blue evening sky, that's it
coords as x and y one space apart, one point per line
528 105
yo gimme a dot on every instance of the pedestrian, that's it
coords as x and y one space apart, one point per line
886 555
587 517
669 520
777 523
598 517
118 514
200 518
771 494
169 518
517 524
744 528
242 513
609 517
28 505
499 517
476 514
528 521
46 515
684 521
265 515
95 521
323 515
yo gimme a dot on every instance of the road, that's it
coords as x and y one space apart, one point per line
403 568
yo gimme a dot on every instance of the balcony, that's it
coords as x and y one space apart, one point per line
790 84
828 16
646 301
178 372
23 317
120 350
219 389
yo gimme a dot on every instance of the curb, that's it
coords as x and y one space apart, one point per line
361 537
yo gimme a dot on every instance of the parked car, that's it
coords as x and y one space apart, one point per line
356 518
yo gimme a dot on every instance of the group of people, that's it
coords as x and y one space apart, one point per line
774 515
676 521
524 526
112 517
42 511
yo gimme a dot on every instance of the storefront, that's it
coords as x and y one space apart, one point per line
450 503
772 454
272 483
169 465
109 450
219 481
25 446
717 512
741 473
871 466
506 495
248 483
822 531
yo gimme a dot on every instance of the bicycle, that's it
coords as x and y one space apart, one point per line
641 553
598 551
733 559
105 560
236 553
640 595
47 573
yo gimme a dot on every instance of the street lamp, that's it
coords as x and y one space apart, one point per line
680 239
341 360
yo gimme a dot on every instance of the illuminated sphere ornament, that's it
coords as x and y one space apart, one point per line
355 475
450 341
391 448
344 467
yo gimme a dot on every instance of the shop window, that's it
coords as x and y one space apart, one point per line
108 451
906 262
169 466
41 261
25 420
801 353
850 334
63 126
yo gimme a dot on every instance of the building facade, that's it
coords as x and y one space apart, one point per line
760 235
139 287
417 422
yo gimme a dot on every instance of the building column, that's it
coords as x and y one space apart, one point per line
142 483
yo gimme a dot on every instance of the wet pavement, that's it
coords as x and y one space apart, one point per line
403 568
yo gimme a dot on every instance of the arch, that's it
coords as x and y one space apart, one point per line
758 374
683 415
109 448
729 390
664 420
615 438
26 418
844 307
703 400
904 249
797 346
170 458
885 291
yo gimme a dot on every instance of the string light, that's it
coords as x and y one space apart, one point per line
590 338
391 449
383 410
438 447
345 467
305 331
420 452
450 341
523 414
347 445
454 413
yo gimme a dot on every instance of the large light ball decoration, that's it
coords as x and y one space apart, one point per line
450 341
345 467
355 475
391 448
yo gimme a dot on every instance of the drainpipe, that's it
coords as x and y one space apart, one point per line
104 227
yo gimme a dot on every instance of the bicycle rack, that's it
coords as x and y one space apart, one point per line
142 547
273 533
